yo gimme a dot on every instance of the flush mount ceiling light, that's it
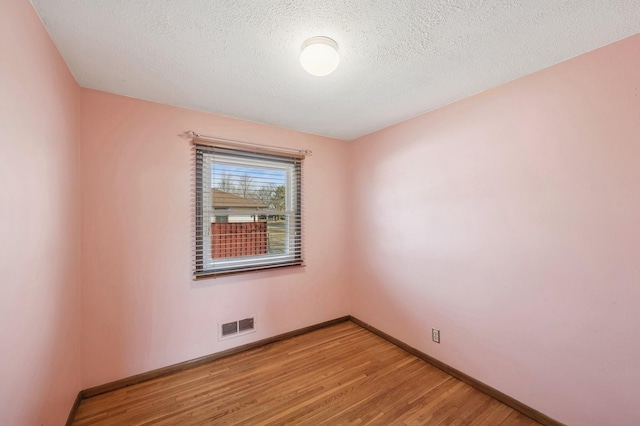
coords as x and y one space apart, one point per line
319 56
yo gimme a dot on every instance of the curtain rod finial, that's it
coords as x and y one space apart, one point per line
190 134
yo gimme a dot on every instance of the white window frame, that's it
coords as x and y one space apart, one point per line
205 265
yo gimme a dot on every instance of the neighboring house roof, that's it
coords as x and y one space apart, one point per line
226 200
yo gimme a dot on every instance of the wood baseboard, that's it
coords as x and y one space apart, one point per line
482 387
143 377
74 409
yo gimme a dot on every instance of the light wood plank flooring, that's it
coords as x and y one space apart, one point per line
342 374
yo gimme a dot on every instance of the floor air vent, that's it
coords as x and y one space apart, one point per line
237 328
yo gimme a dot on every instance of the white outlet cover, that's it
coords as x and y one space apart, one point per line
435 335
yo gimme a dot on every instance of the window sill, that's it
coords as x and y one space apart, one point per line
209 275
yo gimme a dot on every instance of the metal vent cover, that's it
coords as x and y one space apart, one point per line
245 325
229 328
236 328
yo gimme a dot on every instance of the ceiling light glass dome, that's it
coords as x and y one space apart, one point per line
319 56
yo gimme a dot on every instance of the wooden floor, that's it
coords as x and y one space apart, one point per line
341 374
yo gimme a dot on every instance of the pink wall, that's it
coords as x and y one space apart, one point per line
141 309
510 222
39 232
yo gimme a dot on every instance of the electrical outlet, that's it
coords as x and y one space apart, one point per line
435 335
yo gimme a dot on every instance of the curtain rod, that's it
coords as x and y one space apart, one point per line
196 135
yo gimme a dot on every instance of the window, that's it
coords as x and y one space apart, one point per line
248 210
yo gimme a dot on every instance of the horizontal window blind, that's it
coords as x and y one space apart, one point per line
248 210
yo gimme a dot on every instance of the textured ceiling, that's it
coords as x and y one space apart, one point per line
399 58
